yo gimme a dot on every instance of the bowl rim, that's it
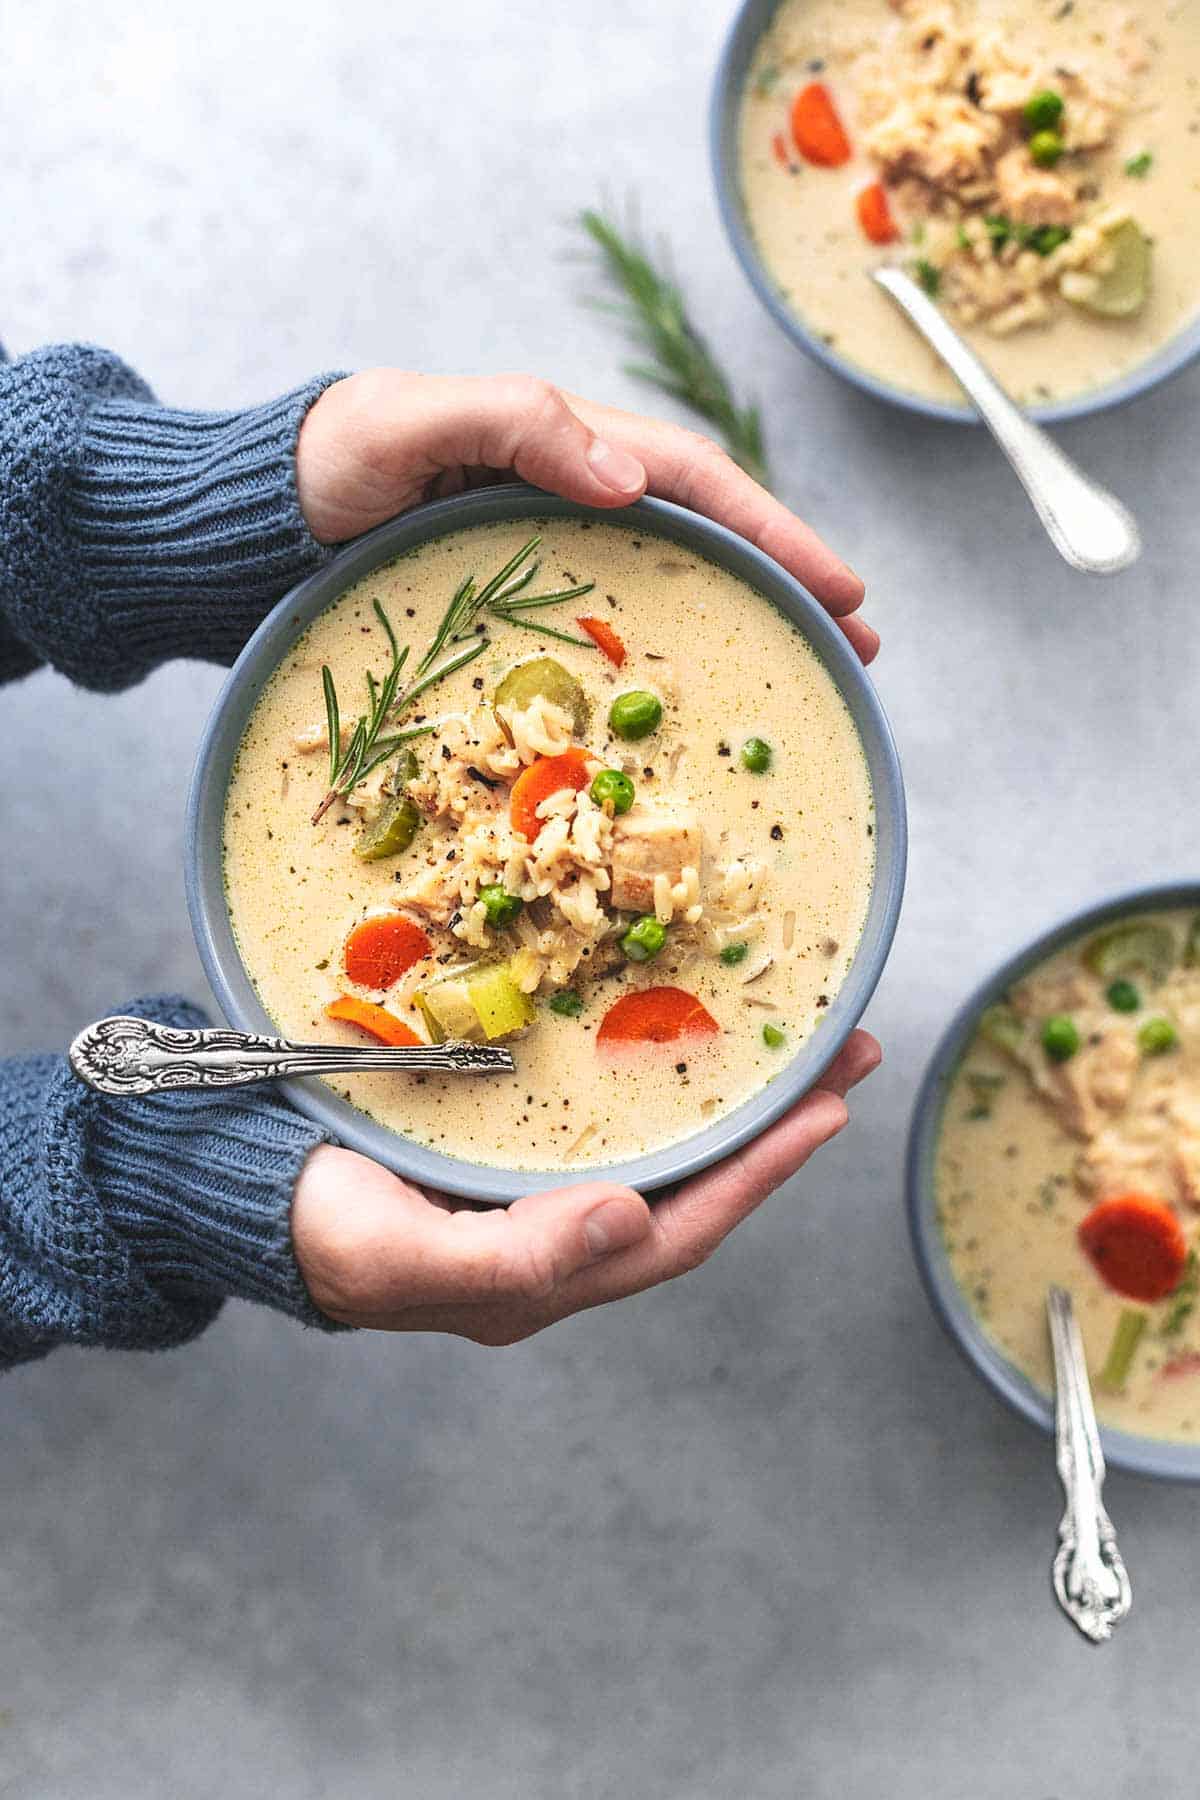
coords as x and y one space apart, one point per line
1158 1457
750 22
204 879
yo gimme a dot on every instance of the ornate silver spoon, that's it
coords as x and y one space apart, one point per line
136 1056
1087 525
1090 1581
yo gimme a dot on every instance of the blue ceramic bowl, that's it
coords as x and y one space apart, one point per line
1142 1455
272 642
751 22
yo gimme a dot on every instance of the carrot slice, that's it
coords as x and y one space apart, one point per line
376 1020
548 775
602 633
779 150
379 951
1186 1363
875 215
656 1015
819 133
1136 1245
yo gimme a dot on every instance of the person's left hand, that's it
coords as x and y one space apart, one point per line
380 442
377 1252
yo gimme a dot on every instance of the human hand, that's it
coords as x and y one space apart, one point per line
376 1251
378 443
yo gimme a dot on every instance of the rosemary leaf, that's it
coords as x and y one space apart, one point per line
458 661
564 637
332 721
504 609
681 363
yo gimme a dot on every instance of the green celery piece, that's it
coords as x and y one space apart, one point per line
1000 1026
1191 945
1135 944
499 1003
1125 1340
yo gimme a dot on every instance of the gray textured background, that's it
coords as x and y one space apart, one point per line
755 1535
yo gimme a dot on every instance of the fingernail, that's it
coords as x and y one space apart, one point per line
614 1226
618 470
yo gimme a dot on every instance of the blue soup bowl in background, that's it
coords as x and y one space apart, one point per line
270 645
750 23
1122 1449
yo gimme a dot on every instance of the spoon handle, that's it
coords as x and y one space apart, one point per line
137 1056
1090 1580
1088 526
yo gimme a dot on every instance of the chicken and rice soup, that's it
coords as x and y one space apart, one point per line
1034 163
1069 1152
588 792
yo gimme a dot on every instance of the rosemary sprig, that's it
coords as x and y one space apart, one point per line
366 749
564 637
682 364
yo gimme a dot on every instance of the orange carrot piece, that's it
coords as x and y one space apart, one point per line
1136 1245
379 951
656 1015
875 215
546 776
779 150
602 634
376 1020
819 133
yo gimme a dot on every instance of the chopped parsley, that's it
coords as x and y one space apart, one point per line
1040 238
929 277
1183 1298
1140 166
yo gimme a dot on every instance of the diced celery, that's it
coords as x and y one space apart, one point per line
499 1004
395 825
1125 1340
1137 944
481 1004
448 1012
545 676
1000 1025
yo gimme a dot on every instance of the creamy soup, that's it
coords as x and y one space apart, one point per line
636 838
1070 1153
1034 163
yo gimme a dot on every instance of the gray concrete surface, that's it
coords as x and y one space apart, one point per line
757 1535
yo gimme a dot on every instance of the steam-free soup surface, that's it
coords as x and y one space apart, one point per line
1033 1148
773 867
931 95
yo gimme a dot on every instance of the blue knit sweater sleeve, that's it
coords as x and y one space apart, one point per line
130 534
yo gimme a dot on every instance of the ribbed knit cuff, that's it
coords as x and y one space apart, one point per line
199 1186
131 533
200 507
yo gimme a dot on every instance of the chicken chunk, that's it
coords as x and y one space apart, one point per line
656 837
1032 196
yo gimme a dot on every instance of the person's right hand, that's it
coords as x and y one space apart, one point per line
377 1251
380 442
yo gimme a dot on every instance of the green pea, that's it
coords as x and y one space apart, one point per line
1060 1037
734 953
1122 996
566 1003
1043 111
500 906
773 1036
644 939
613 786
1046 147
1157 1036
635 714
756 756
